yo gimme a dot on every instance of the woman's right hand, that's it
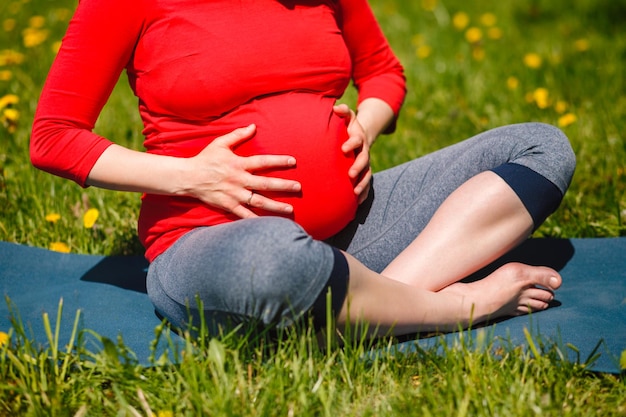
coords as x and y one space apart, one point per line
222 179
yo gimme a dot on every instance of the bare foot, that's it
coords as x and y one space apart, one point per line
511 290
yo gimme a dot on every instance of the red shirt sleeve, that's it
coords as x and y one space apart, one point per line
377 72
96 48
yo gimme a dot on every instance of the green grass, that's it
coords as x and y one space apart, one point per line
456 89
293 376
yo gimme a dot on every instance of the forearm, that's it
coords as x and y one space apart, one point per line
374 115
123 169
216 176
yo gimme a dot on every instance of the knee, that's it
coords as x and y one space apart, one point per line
282 270
559 146
266 270
546 150
282 257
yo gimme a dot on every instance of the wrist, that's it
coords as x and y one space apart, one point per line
374 116
181 181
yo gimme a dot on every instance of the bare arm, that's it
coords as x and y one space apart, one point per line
374 115
216 176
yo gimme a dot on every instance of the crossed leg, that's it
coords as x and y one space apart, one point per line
391 306
459 217
479 222
419 290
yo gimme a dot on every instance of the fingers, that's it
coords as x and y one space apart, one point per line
236 137
250 196
255 162
243 212
363 188
244 208
259 201
354 143
342 110
260 162
240 191
360 165
254 182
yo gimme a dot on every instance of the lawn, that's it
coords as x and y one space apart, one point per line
470 66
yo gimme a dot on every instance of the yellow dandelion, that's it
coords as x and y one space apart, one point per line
32 37
423 51
560 106
165 413
532 60
11 115
494 33
567 119
541 97
474 35
8 100
512 83
581 45
9 24
460 20
37 22
59 247
5 75
488 19
429 5
53 217
90 217
478 53
4 339
9 119
10 57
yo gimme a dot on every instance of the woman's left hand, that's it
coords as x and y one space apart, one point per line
360 171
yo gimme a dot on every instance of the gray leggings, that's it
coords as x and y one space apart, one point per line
268 272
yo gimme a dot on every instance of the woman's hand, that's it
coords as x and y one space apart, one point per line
216 176
220 178
360 171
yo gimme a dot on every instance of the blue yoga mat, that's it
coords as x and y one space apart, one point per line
587 317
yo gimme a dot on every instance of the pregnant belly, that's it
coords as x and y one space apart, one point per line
305 127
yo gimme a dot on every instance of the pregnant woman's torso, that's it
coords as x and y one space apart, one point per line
228 64
305 126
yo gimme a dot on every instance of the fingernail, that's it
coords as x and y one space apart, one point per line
554 281
291 161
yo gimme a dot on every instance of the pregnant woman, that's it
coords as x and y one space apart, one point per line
257 193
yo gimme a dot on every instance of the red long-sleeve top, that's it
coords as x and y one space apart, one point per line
202 68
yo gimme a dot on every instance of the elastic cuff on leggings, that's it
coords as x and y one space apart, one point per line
338 285
538 194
